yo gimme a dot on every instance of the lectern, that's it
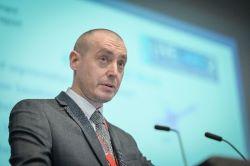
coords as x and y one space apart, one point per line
222 161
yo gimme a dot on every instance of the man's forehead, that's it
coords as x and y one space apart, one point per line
104 37
121 54
108 42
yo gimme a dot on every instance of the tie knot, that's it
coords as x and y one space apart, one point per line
97 118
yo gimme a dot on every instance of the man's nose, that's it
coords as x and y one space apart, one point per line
112 70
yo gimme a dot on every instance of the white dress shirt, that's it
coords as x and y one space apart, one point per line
87 108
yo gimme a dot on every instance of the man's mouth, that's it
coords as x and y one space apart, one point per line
109 85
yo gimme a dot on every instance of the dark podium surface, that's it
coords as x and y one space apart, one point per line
222 161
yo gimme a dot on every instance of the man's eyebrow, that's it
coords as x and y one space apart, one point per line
124 56
105 50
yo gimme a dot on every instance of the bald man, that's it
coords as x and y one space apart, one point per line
70 130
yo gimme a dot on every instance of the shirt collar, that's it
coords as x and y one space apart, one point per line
87 108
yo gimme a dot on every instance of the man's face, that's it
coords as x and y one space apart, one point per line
100 70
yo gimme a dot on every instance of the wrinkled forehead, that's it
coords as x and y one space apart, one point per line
108 41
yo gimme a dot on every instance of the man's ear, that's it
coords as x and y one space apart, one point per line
74 59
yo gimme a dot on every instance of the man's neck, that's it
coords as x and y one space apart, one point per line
97 105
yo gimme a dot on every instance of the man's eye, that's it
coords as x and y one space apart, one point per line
121 64
103 59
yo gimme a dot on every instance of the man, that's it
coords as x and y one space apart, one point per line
70 129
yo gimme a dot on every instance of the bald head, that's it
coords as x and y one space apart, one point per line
98 61
84 42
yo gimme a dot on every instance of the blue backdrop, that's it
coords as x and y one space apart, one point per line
177 74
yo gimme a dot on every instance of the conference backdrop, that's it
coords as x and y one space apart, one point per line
177 74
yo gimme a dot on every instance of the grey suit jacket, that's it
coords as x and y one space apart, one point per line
56 132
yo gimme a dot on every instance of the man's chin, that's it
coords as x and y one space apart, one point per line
105 98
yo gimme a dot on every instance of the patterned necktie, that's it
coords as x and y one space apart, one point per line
103 136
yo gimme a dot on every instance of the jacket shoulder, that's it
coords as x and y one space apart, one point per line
35 105
122 134
118 129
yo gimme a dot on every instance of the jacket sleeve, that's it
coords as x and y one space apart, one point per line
29 134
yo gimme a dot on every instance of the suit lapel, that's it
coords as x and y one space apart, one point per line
78 116
116 145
